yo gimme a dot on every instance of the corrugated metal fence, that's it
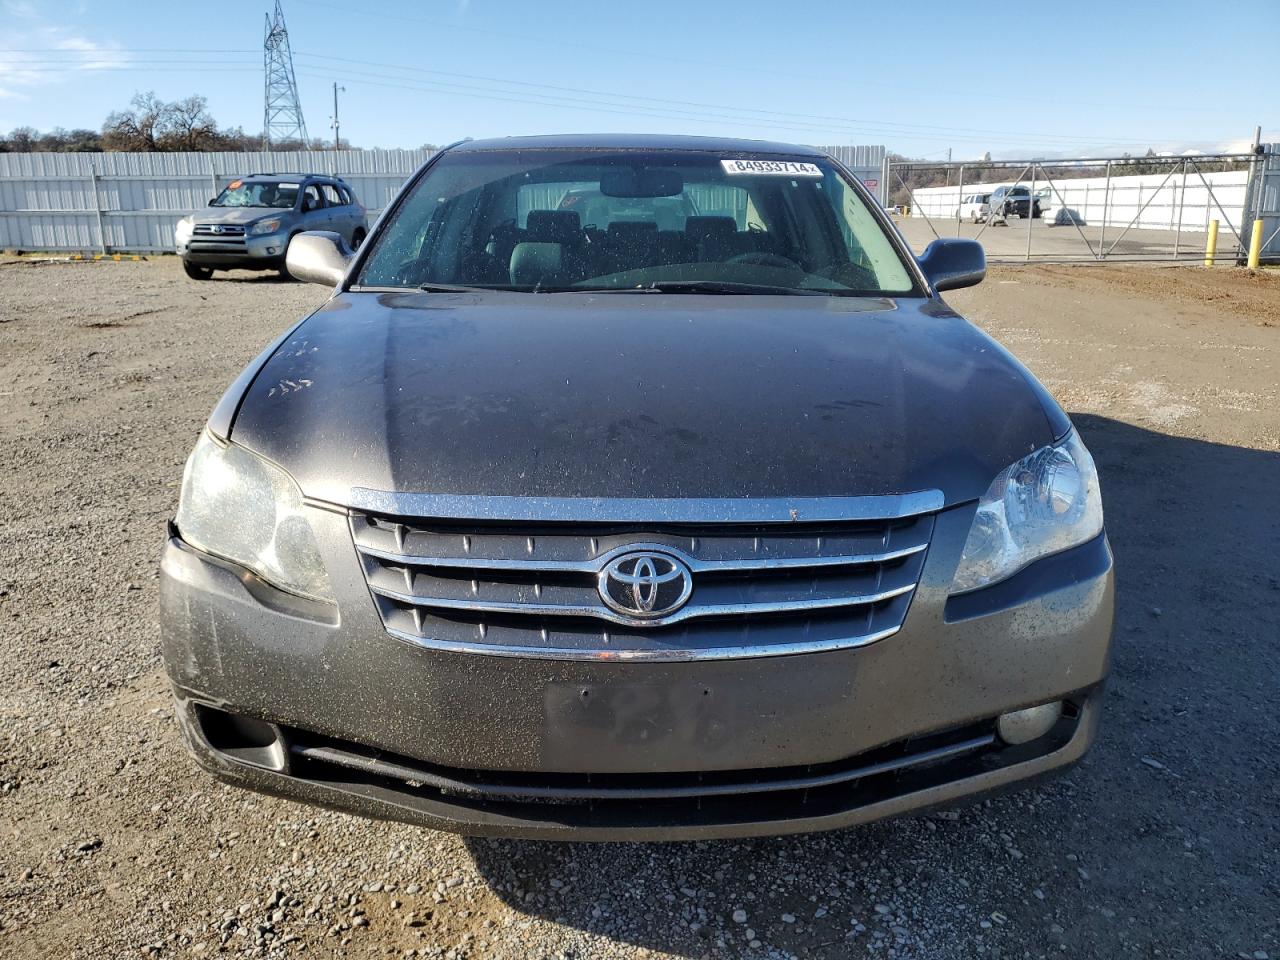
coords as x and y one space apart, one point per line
129 202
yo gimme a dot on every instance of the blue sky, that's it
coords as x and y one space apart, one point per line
922 78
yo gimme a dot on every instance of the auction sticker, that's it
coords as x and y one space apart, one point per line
778 168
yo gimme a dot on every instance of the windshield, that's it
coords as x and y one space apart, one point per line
580 221
257 193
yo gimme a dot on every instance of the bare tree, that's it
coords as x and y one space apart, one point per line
22 139
187 125
140 128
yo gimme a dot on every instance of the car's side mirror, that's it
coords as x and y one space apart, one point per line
318 256
951 263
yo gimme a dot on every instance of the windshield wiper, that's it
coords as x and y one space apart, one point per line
449 288
708 286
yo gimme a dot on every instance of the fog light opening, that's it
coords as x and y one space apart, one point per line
1023 726
244 739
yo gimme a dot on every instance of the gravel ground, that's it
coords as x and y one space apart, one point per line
1163 843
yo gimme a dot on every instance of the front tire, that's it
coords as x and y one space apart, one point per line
357 238
196 272
283 270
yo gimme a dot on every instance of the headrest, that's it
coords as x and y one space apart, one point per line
534 263
633 228
710 226
554 226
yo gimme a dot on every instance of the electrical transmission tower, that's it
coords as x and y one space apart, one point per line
282 113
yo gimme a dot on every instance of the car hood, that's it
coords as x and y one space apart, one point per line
238 214
641 395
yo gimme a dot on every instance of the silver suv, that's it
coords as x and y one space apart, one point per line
250 224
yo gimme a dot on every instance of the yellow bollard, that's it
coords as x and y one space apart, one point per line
1255 245
1211 245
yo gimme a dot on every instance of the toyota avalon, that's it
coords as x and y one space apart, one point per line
636 488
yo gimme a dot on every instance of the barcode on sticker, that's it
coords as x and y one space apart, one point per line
780 168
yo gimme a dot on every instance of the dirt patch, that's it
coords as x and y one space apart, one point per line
1249 295
1164 842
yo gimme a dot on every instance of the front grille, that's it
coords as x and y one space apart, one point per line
223 230
530 589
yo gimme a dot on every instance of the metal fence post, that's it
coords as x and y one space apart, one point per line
1182 199
1106 202
213 175
959 199
1031 209
97 207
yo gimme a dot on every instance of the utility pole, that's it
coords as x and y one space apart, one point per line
337 139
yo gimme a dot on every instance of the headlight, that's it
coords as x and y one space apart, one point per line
183 230
264 226
1045 503
237 506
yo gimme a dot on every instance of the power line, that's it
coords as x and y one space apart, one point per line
143 68
877 126
106 50
890 125
527 93
754 68
599 105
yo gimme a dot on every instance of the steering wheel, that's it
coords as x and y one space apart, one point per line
762 259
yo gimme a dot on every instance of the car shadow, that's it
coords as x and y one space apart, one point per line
266 277
1174 796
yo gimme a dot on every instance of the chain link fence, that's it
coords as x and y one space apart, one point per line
1093 209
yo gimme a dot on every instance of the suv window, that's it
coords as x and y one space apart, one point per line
569 220
258 193
331 195
311 198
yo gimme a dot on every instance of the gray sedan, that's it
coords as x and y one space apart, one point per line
700 515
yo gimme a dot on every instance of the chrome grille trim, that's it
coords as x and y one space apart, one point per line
656 510
600 611
527 586
227 230
673 655
595 566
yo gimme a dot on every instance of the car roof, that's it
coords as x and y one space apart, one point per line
291 176
637 141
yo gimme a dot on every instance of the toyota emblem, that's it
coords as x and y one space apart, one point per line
645 584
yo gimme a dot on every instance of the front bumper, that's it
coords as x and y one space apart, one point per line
238 253
322 705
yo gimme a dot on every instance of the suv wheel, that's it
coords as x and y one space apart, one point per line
283 270
197 273
357 238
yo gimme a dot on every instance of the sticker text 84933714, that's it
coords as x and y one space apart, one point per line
780 168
